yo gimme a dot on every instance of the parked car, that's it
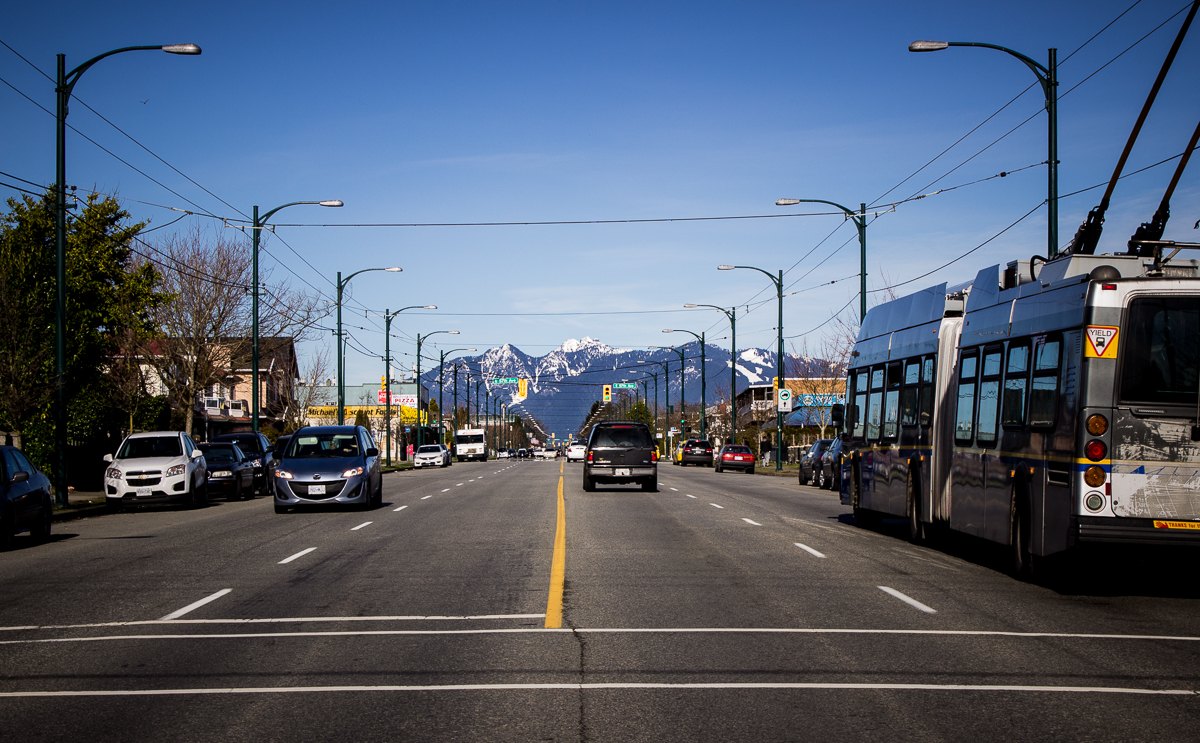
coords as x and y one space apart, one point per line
618 453
156 467
262 456
735 457
329 465
28 503
432 455
812 458
281 444
576 452
230 471
522 453
697 451
829 476
502 454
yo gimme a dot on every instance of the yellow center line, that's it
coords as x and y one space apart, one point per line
558 564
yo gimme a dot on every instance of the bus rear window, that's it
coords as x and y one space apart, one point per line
1161 350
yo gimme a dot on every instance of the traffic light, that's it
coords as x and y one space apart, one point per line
522 388
608 393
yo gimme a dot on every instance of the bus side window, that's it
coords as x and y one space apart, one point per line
989 397
860 404
1043 392
908 398
875 405
964 422
891 406
1016 385
927 391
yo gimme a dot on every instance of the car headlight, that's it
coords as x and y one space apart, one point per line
283 474
221 473
178 469
254 463
113 473
353 472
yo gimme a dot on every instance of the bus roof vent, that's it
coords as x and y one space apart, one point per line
1104 273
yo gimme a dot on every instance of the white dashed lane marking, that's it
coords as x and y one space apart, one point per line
195 605
691 496
808 549
907 599
301 553
401 508
748 521
365 523
714 505
427 497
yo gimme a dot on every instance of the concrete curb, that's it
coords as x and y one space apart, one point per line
71 514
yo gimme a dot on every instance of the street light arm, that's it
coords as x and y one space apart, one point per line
694 335
849 212
778 284
72 77
263 219
1035 67
412 307
361 270
728 314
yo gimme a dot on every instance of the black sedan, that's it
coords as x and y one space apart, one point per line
230 471
261 454
697 451
27 504
829 473
812 460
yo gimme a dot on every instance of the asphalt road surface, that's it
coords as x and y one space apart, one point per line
724 607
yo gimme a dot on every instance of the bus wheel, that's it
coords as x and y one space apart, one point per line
1021 558
916 528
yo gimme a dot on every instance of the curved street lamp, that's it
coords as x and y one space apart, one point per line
388 316
1048 78
703 381
730 313
341 371
256 228
64 84
421 424
682 385
860 221
778 281
441 387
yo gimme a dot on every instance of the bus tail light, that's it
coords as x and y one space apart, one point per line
1094 476
1097 425
1095 450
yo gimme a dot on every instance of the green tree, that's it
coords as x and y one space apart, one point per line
109 295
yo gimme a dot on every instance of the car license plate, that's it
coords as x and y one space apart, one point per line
738 458
316 490
143 492
621 472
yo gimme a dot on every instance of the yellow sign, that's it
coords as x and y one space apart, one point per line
1101 342
608 393
522 388
401 413
775 383
1177 524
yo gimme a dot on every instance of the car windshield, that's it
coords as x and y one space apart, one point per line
150 446
245 443
433 449
622 437
323 445
218 454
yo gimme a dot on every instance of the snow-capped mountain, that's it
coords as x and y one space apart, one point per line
565 382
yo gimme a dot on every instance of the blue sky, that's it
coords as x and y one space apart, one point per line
521 112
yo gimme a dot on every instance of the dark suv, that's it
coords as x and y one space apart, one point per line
261 454
618 453
697 451
811 461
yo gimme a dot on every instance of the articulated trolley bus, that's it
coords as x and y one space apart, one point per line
1042 405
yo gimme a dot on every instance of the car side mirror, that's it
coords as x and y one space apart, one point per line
372 452
837 414
196 453
19 478
108 458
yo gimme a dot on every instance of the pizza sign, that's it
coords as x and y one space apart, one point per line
1101 342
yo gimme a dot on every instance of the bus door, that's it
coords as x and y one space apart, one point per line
966 472
892 467
997 487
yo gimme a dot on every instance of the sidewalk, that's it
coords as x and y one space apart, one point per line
81 504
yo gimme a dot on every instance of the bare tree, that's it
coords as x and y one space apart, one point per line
297 397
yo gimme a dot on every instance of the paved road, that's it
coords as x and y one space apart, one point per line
724 607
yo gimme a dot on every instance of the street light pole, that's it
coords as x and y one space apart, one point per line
730 313
682 384
387 378
257 225
703 381
341 286
421 424
860 221
441 388
1048 78
64 84
778 281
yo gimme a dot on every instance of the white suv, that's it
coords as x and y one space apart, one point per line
576 451
156 467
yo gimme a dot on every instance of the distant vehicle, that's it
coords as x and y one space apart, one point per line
735 457
262 456
697 451
576 451
547 453
503 454
329 465
230 471
27 503
829 471
469 444
431 455
522 453
618 453
156 467
811 459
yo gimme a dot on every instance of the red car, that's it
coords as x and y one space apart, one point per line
735 457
